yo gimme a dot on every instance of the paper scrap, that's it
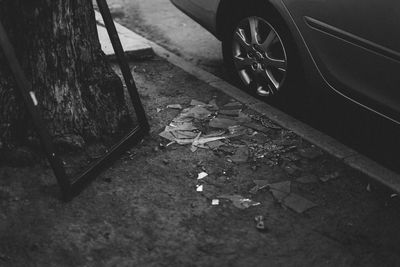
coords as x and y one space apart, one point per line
174 106
215 202
260 184
222 123
240 202
202 175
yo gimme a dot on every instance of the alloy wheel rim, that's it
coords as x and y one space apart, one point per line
259 56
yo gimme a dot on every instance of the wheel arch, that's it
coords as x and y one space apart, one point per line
229 10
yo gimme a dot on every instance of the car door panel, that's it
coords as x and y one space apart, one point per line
203 11
355 45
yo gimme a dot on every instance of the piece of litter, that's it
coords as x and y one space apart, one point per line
237 130
199 188
202 175
202 141
230 112
260 184
184 134
260 223
215 202
222 123
393 195
158 110
215 144
197 112
298 203
170 143
33 97
280 190
233 105
180 126
247 203
239 201
369 187
197 103
167 135
328 177
213 105
174 106
307 179
256 127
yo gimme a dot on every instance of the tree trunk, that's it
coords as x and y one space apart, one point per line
79 95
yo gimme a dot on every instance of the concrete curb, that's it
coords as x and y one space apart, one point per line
135 46
347 155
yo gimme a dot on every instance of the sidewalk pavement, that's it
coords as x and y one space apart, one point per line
136 46
133 44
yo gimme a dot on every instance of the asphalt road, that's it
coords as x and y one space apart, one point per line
161 22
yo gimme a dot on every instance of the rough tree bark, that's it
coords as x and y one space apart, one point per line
57 44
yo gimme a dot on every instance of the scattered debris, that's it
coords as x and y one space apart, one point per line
233 105
182 126
222 123
230 112
393 195
197 112
202 175
329 177
237 130
213 104
174 106
240 202
264 122
260 223
215 202
158 110
199 188
298 203
256 127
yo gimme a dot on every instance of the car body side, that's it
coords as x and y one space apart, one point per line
345 45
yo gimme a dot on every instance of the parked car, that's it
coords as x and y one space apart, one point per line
349 46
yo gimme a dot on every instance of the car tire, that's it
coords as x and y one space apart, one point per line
260 56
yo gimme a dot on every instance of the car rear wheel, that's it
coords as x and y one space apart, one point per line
260 55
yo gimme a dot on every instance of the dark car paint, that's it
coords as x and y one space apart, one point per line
341 47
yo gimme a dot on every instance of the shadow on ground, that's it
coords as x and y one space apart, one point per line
145 211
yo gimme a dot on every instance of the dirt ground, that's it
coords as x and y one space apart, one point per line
145 211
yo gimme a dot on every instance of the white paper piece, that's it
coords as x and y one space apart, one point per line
199 188
215 202
202 175
33 96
